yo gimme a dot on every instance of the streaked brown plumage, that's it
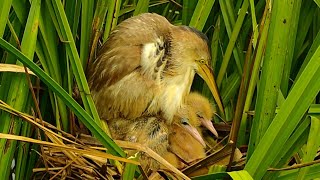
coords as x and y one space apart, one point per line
146 67
149 131
203 109
155 133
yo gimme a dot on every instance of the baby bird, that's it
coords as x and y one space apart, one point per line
203 109
182 135
152 132
184 146
183 149
180 152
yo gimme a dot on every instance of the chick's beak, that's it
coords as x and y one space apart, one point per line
206 74
195 133
208 124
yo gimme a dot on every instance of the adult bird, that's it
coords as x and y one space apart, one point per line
147 66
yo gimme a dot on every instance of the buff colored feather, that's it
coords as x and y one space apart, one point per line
146 68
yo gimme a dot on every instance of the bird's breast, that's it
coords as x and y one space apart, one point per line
173 92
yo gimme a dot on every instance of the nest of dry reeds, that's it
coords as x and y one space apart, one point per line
81 156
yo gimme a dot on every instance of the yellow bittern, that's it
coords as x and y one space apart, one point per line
203 109
181 137
147 66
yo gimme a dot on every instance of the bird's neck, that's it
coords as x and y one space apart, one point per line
175 88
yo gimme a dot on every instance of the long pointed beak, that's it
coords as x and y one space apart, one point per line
208 124
206 74
195 133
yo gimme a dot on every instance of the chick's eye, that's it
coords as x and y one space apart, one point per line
199 115
184 121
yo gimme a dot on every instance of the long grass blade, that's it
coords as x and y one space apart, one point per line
201 13
86 28
142 7
312 145
187 11
4 13
264 25
292 34
293 145
233 32
292 110
112 17
240 175
277 52
18 88
70 102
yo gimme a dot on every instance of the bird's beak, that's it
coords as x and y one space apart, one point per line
208 124
195 133
206 74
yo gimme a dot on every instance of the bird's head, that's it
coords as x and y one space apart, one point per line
186 120
190 49
203 109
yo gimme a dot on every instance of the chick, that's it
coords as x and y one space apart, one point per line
184 146
154 133
203 109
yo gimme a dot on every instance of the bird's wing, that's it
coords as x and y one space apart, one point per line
122 53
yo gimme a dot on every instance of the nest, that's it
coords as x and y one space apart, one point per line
64 156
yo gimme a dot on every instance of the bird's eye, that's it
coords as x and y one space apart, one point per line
199 115
202 61
185 121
